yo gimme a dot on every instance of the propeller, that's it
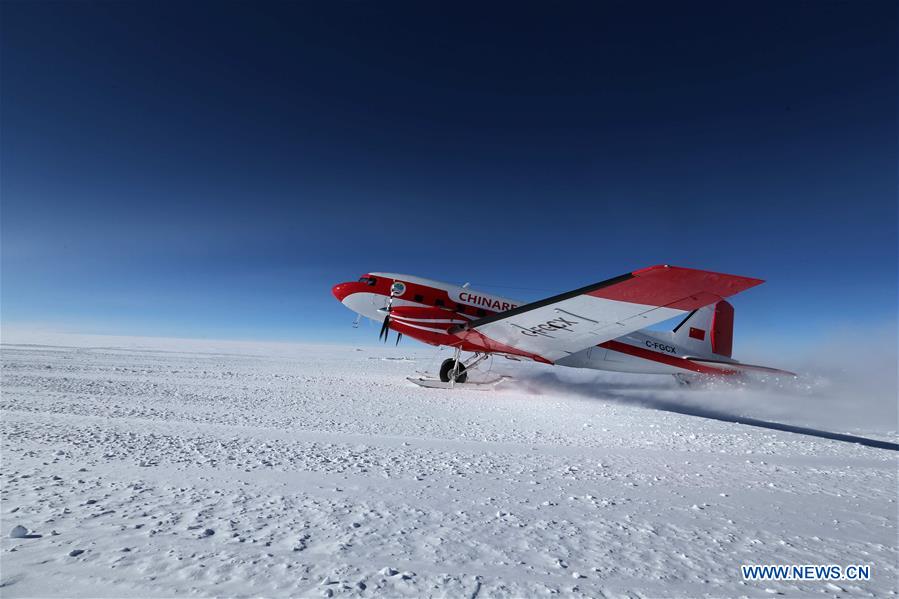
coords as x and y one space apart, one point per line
395 290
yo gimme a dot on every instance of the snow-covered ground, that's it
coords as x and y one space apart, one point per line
147 467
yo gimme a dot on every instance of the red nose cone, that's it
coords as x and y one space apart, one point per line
341 290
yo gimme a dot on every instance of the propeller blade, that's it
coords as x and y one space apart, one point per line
385 329
398 337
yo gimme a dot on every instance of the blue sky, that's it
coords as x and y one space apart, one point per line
211 170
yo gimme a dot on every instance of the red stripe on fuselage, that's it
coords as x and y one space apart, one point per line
640 352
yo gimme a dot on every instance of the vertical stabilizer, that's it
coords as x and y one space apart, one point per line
708 330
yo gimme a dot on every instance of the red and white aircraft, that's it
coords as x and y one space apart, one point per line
601 326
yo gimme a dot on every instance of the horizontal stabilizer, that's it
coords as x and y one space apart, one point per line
736 367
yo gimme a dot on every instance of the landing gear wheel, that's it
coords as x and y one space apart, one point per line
446 371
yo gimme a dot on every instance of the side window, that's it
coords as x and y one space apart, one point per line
481 313
418 298
438 302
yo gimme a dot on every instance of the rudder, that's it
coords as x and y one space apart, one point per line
723 329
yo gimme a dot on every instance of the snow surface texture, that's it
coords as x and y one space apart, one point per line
148 467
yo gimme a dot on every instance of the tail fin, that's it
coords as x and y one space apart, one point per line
708 330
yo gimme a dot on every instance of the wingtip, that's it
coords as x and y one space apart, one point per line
752 281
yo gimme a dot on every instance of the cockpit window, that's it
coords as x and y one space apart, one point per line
368 281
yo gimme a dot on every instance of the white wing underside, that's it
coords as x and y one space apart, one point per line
556 327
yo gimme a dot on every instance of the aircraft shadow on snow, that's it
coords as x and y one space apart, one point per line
611 391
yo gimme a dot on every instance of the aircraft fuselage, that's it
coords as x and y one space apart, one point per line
426 310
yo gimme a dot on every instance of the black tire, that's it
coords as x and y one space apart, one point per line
446 369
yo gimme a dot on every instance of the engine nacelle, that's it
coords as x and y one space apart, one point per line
433 319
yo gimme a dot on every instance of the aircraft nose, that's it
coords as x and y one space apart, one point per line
341 290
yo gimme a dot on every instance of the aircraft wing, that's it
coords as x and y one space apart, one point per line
550 329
